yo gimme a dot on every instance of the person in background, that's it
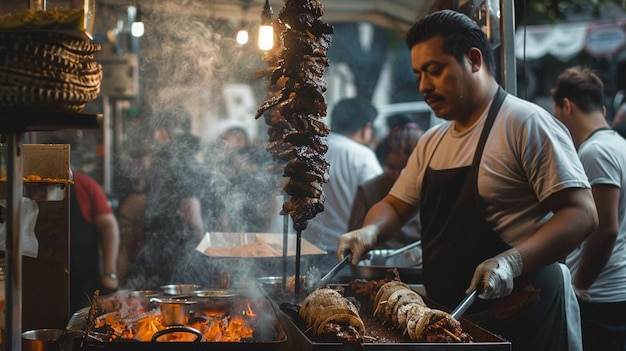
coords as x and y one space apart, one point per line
94 242
598 266
236 138
173 214
130 212
351 163
94 234
501 194
393 153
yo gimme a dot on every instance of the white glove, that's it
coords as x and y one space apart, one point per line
494 277
359 242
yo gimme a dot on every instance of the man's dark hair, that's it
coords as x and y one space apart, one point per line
350 115
582 86
399 119
460 33
400 139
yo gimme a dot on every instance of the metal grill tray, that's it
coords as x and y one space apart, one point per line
484 340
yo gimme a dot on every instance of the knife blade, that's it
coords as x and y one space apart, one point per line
467 301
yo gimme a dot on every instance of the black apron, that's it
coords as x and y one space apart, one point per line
84 257
456 238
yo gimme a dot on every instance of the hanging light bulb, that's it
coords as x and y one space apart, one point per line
266 32
242 36
137 28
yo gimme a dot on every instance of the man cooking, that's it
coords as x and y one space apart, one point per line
501 194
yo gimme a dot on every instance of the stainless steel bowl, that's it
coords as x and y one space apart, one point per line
213 294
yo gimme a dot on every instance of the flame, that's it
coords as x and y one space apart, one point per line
249 312
215 326
146 327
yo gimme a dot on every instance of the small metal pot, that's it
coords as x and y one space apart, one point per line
174 311
41 340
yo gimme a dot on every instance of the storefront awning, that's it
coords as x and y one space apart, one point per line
562 41
566 40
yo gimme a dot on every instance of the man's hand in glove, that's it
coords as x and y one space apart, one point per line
494 277
359 242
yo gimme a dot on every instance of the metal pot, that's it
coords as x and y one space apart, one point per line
174 311
41 340
180 289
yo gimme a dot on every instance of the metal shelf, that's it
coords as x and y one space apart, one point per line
28 119
14 122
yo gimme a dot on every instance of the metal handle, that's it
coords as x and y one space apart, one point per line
465 304
404 248
170 330
339 266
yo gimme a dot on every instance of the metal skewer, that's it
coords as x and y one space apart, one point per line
298 253
285 241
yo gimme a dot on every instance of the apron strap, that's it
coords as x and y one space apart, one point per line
491 117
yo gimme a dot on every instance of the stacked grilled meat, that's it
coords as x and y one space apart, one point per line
295 107
406 311
397 305
54 70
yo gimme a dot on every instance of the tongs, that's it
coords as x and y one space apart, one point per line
467 301
313 280
381 260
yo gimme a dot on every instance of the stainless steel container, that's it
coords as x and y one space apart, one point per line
41 340
174 311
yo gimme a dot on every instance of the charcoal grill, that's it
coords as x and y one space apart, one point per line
268 335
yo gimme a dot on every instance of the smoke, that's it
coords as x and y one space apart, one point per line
185 62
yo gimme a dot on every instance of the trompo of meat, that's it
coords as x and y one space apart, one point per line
295 105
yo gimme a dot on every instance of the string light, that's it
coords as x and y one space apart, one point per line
266 32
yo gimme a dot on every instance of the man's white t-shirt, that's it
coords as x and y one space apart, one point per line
604 157
528 156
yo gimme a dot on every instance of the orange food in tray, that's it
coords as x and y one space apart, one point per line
35 178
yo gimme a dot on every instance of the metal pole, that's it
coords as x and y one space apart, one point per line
13 262
507 45
106 130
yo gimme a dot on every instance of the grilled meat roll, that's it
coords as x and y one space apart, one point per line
330 317
405 309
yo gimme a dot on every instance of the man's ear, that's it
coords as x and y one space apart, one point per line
475 58
567 105
367 133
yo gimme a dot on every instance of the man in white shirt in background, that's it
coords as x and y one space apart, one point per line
598 266
352 162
